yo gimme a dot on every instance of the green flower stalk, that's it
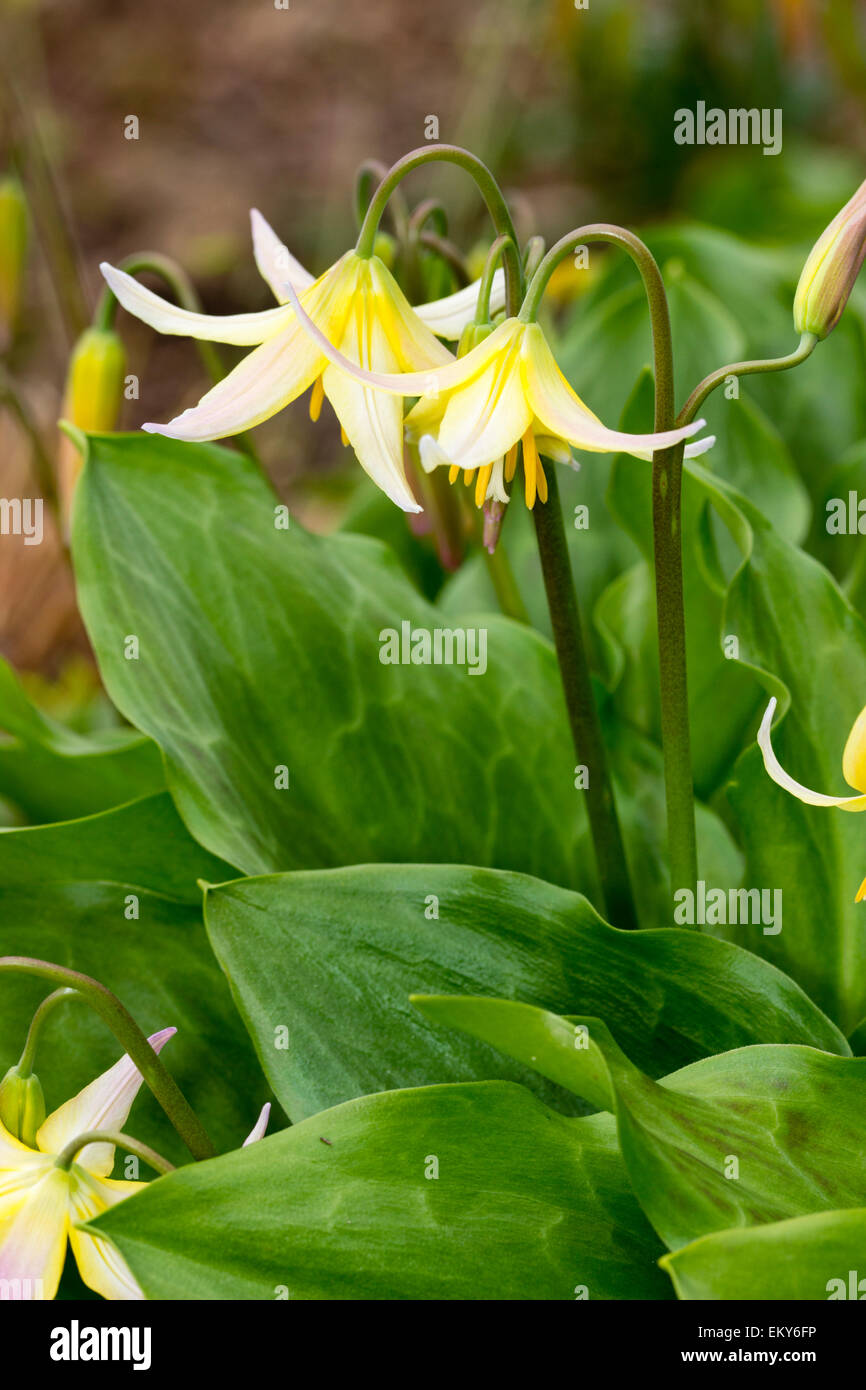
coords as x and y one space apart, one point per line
831 269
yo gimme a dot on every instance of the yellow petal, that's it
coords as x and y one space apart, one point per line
413 345
484 418
34 1224
854 757
434 381
783 779
372 421
241 329
562 413
861 892
100 1265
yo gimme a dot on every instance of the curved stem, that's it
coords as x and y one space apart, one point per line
498 251
487 185
66 1157
580 703
643 258
25 1063
805 347
133 1042
667 544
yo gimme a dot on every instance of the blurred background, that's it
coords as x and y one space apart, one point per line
242 104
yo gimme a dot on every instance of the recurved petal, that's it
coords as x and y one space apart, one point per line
484 418
275 262
100 1265
373 421
267 380
244 330
413 345
448 317
784 779
445 378
854 757
563 413
34 1223
104 1104
258 1130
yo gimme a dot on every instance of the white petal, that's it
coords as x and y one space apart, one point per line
242 329
275 261
104 1104
780 776
701 446
448 317
258 1130
432 454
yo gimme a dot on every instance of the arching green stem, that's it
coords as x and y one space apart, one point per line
133 1042
667 543
804 348
67 1157
487 185
500 248
28 1055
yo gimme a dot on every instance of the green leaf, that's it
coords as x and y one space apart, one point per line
52 773
754 1135
259 649
65 896
798 632
527 1205
354 943
809 1258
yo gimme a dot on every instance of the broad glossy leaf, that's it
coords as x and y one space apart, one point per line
354 943
53 773
809 1258
803 639
757 1134
526 1205
66 892
259 649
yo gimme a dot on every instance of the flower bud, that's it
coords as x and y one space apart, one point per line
13 250
472 335
94 393
22 1105
385 247
831 269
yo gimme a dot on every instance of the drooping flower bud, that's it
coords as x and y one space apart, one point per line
831 269
22 1105
94 393
472 335
13 251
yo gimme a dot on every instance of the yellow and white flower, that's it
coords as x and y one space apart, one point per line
41 1203
358 305
853 770
475 411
